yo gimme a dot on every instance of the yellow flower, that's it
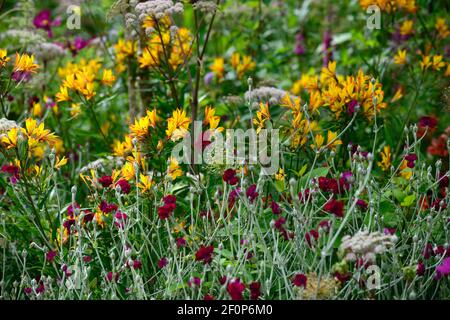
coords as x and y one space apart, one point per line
405 172
174 170
128 171
437 63
177 125
328 74
10 139
60 162
125 49
318 142
425 63
441 27
25 63
108 77
37 133
37 110
212 119
398 94
3 57
280 175
406 28
447 71
332 140
247 64
385 163
62 95
139 129
400 57
145 183
149 58
218 68
122 149
261 116
235 60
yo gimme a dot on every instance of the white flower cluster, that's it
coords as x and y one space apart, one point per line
366 245
94 165
158 9
24 37
6 125
48 51
205 6
266 94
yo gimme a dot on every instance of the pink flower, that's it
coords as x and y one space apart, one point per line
204 254
251 193
311 237
235 289
110 277
335 207
43 21
300 280
229 176
105 181
120 218
443 269
195 281
124 186
255 290
162 262
275 208
107 207
50 256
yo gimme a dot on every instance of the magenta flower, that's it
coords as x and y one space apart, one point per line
275 208
300 280
204 254
443 269
255 290
50 256
251 193
43 21
162 262
229 176
235 289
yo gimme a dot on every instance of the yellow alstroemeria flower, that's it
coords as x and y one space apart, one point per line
108 77
3 58
174 170
10 139
60 162
177 125
145 183
407 28
262 115
385 163
332 140
218 67
25 63
400 57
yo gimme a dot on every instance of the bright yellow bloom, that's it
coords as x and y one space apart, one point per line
128 171
145 183
139 129
37 110
3 57
174 170
385 163
60 162
447 71
241 68
125 49
63 94
328 74
121 149
400 57
262 115
25 63
37 133
437 63
211 119
398 94
332 140
405 171
218 68
406 28
10 139
425 63
108 77
280 175
318 142
149 58
177 125
441 28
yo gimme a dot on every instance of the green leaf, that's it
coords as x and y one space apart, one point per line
408 201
